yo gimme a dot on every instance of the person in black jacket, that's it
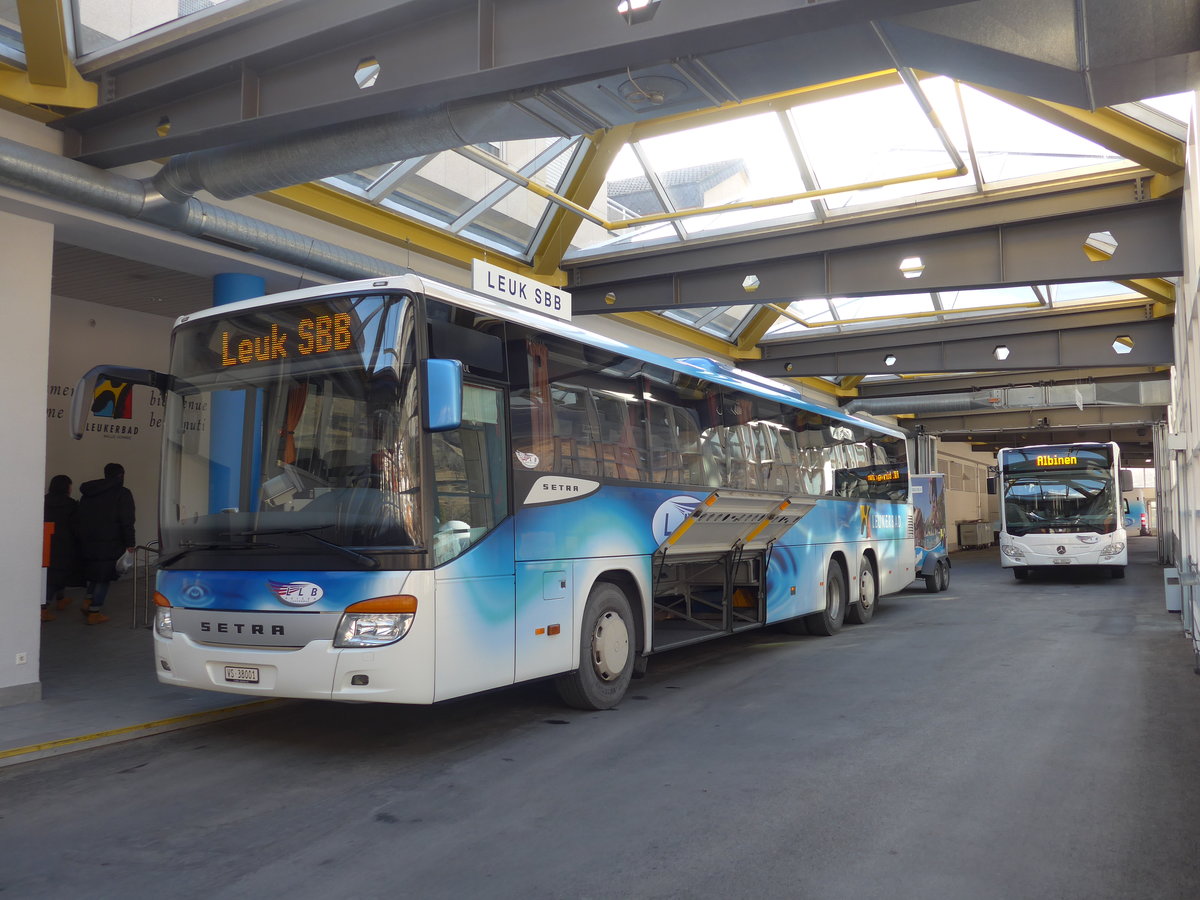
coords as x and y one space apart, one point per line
65 565
106 516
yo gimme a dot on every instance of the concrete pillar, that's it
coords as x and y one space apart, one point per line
26 259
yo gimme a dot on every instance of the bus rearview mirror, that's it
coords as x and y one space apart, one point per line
442 409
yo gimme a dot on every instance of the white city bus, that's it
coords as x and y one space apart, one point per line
1061 505
402 491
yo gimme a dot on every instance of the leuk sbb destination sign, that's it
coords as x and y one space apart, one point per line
520 291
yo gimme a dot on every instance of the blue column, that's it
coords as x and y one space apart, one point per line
228 412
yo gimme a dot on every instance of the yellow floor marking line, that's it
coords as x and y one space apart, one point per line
129 729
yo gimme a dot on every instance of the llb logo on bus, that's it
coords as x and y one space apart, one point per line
296 593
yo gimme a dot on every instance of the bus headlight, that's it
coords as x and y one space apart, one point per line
162 617
1012 551
1113 549
374 623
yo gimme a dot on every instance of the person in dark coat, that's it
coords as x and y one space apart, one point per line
105 528
65 564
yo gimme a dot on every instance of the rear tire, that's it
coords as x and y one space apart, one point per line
829 621
944 575
607 639
862 610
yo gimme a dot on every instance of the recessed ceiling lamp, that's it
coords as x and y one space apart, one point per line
637 11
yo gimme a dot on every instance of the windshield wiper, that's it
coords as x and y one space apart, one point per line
192 548
360 558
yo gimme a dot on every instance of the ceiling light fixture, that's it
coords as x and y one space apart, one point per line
637 11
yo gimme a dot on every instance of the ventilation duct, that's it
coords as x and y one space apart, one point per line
53 176
898 406
254 168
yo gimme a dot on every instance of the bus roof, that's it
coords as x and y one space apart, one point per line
708 369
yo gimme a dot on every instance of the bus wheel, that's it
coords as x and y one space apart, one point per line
1020 573
1117 571
606 652
933 581
943 575
829 620
861 610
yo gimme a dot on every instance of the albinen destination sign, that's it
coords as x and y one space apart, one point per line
1058 460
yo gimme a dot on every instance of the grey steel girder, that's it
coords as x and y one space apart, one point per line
286 67
1051 340
975 382
1024 419
1017 246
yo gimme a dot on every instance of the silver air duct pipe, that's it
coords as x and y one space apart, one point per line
894 406
53 176
261 166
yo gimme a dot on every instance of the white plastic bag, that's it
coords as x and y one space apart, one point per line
126 563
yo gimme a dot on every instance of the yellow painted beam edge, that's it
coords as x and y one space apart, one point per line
49 748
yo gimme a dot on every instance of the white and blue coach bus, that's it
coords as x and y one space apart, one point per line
401 491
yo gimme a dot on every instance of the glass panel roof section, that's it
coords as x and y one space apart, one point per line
477 192
1010 143
867 313
874 136
99 24
10 29
821 144
721 321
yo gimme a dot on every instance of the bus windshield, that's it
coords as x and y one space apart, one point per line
293 431
1049 494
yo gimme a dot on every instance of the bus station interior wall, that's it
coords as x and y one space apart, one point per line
84 335
1183 440
967 499
26 252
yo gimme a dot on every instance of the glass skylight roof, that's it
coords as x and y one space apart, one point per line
807 318
10 29
99 24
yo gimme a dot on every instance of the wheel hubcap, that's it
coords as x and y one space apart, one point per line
610 646
866 589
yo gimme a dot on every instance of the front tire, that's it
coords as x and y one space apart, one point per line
829 620
606 650
1020 573
862 610
1117 571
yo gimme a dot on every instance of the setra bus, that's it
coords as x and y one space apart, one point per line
1061 505
402 491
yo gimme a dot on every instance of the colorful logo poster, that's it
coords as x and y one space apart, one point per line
113 399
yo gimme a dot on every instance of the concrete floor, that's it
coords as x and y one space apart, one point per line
999 740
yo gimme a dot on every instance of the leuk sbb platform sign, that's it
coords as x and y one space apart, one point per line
520 291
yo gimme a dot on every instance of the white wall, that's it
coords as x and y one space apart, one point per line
26 250
967 499
83 335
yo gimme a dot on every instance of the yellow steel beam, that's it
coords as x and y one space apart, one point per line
333 206
760 323
49 79
590 175
1110 129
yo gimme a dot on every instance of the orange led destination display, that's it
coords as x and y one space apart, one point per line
893 475
1058 460
313 336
